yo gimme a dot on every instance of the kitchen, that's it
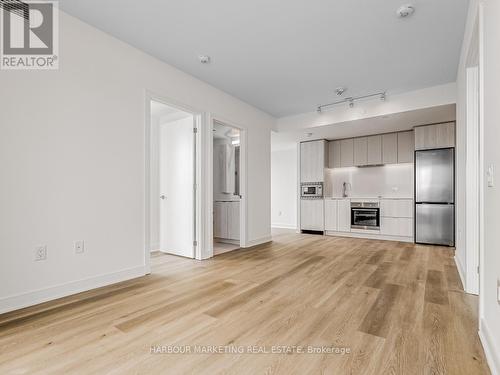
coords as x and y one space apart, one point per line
395 186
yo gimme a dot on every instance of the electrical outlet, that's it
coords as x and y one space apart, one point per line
41 253
79 247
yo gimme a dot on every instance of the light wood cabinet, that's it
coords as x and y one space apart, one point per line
406 147
395 226
312 161
396 208
390 148
435 136
334 154
347 153
312 214
227 220
374 150
396 217
344 215
360 151
331 213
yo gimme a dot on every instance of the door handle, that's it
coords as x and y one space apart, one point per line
163 197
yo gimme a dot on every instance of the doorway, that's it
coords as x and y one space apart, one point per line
227 193
173 178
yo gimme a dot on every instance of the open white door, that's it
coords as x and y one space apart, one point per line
177 180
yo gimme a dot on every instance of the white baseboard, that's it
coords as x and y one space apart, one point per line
461 272
258 241
491 348
20 301
155 246
283 226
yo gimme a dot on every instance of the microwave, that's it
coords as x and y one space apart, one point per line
311 190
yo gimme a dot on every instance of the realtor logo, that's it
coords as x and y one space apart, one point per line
29 35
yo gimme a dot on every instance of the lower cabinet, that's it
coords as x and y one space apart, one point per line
227 220
331 212
338 215
312 214
344 215
396 226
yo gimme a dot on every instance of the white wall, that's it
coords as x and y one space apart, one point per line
490 309
284 188
389 181
467 242
72 161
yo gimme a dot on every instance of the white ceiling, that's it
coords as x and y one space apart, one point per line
287 56
368 126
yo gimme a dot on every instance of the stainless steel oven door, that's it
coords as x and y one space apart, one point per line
365 218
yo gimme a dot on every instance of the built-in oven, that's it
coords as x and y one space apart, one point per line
365 215
311 190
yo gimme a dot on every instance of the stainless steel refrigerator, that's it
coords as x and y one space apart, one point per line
435 197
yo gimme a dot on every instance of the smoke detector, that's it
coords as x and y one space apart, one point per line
204 59
405 11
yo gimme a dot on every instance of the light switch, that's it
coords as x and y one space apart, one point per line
490 174
498 291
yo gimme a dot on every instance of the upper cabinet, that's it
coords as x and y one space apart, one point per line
360 151
390 148
381 149
347 153
406 147
374 150
313 158
435 136
334 154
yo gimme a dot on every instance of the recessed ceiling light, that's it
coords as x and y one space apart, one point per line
204 59
405 11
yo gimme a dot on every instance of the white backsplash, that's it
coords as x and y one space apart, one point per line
393 181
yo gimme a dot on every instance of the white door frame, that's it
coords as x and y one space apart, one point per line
472 182
209 187
199 185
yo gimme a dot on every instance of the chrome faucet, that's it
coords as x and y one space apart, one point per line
346 186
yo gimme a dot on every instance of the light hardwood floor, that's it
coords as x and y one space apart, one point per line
398 307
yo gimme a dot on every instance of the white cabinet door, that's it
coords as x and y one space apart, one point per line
405 208
360 151
344 215
406 147
331 208
389 226
388 208
390 148
347 152
374 150
220 220
405 227
396 226
334 154
312 215
233 220
312 161
396 208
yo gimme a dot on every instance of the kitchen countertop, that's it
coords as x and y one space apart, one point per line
369 198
